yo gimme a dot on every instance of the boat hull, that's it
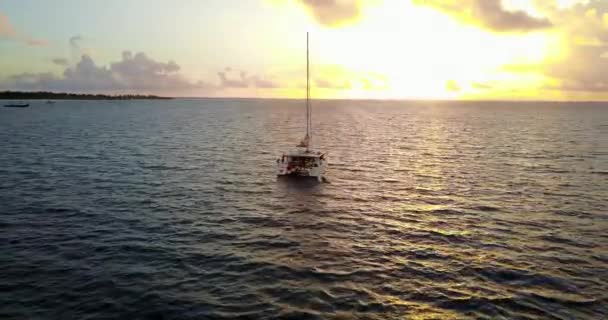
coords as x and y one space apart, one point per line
299 177
302 166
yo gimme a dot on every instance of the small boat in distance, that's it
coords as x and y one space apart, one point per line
50 102
17 105
304 162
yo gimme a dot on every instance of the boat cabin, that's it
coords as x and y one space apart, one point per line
301 164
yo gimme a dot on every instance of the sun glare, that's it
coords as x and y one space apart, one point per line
417 50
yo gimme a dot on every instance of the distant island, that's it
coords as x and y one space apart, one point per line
44 95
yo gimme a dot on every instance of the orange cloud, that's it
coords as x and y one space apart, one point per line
8 32
6 29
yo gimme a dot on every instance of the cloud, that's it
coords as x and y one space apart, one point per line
595 87
333 13
581 66
75 41
489 14
232 83
8 32
328 84
263 83
60 61
86 76
32 81
76 50
584 23
337 77
132 72
243 80
583 69
141 72
452 85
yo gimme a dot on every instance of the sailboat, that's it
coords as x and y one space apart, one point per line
304 162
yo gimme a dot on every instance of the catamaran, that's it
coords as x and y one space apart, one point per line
304 162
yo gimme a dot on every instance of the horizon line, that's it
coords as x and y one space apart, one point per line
395 99
144 95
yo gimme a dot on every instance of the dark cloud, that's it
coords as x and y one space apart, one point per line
489 14
76 49
333 12
232 83
75 41
60 62
133 72
243 80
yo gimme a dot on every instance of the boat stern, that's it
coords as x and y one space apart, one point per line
307 165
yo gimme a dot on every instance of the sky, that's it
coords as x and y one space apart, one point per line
359 49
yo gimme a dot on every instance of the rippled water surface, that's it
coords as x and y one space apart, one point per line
171 210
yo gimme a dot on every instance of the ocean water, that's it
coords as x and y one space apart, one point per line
434 210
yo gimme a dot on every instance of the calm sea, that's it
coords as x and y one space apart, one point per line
434 210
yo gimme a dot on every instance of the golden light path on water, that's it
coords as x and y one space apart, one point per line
171 209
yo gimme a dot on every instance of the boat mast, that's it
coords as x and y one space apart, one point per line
308 111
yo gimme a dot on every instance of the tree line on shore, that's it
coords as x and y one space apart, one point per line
47 95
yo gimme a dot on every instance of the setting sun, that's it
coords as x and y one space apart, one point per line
416 51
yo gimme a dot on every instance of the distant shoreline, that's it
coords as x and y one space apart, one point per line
44 95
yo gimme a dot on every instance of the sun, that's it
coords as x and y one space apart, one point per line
418 50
